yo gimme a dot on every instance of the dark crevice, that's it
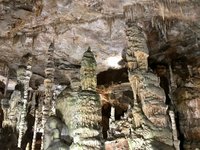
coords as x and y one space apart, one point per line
164 83
161 69
112 76
105 110
180 135
119 112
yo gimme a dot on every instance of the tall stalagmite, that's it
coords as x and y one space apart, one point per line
149 110
5 101
25 81
48 83
81 110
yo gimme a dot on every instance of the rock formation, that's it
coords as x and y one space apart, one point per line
81 110
48 83
186 101
140 92
22 123
148 117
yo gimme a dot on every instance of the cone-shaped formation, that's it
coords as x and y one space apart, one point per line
88 71
25 81
81 111
48 83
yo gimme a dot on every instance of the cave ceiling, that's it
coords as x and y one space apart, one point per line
172 29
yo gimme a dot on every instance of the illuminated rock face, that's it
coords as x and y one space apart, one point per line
81 110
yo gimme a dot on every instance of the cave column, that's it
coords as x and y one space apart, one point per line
48 83
149 97
149 108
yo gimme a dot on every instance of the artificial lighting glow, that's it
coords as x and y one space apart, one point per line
113 61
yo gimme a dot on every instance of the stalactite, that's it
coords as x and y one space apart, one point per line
25 81
161 25
134 11
134 87
48 83
110 20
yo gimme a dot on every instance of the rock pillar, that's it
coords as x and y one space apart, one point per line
149 110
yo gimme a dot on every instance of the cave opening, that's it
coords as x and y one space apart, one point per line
106 80
112 76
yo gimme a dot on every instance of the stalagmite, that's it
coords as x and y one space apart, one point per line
111 122
174 130
81 109
25 82
149 110
5 101
48 83
112 113
190 70
35 130
88 71
27 146
87 130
